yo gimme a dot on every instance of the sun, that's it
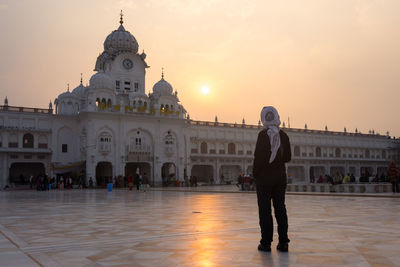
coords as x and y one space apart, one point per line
205 90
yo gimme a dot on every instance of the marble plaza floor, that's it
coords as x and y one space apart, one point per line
169 228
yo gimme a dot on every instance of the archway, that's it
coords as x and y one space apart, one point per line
316 171
203 173
27 141
249 169
339 169
103 173
144 169
296 174
230 172
168 171
21 171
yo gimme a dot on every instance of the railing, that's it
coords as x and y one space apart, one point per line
139 149
26 109
296 130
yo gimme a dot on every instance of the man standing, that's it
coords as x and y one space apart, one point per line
271 153
393 176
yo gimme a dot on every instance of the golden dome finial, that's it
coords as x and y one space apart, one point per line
121 21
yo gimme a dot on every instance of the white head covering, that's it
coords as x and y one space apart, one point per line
271 121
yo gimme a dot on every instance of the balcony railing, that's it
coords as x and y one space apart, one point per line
139 148
26 109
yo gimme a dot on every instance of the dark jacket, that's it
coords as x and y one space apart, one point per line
268 174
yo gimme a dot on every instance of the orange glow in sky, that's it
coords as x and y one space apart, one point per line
320 62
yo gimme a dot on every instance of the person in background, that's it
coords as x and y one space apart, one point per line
346 178
320 179
393 176
62 183
136 181
271 153
130 182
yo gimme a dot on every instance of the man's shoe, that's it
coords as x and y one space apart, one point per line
265 248
283 247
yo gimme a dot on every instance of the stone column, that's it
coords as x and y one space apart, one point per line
90 169
3 170
307 172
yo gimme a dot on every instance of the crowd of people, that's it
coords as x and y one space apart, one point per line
246 182
391 176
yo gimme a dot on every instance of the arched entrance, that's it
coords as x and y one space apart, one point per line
168 170
144 169
335 169
249 170
203 173
21 171
316 171
103 173
296 174
230 172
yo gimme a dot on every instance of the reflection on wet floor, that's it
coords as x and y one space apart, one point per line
162 228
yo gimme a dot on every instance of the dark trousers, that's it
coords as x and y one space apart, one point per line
395 187
277 195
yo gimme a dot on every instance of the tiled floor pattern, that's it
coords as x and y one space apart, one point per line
162 228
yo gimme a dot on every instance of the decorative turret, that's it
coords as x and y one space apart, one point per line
6 101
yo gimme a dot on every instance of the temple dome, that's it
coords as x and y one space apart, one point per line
120 40
162 87
101 80
78 91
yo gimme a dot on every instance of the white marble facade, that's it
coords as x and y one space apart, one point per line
112 127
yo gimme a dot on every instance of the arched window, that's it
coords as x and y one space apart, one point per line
367 153
169 139
105 142
167 107
27 141
109 103
318 152
296 151
103 101
140 103
203 148
231 148
337 153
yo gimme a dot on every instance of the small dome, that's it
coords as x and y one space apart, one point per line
100 81
65 95
78 91
162 87
120 40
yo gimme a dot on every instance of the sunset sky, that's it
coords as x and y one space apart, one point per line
321 62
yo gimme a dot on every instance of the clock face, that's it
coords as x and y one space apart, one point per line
127 63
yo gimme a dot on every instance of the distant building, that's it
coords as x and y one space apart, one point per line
112 127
